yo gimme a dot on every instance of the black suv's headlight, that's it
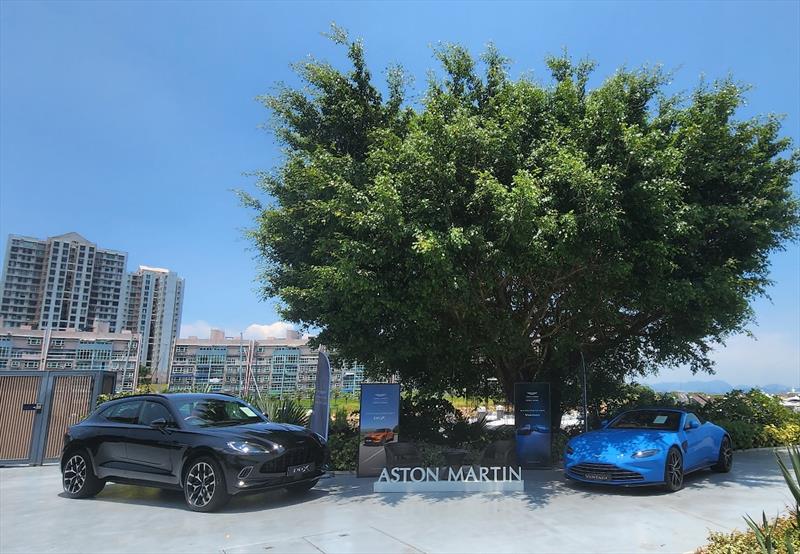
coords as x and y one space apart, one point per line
245 447
321 439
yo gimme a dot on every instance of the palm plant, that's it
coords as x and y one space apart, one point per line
765 533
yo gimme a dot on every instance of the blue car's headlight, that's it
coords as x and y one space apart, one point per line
646 453
245 447
569 449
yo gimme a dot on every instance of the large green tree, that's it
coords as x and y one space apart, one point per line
506 228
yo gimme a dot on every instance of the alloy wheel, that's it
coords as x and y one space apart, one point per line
675 470
727 453
74 474
200 484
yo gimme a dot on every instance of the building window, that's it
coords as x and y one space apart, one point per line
34 340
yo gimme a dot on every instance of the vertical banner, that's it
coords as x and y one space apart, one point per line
380 418
532 421
321 412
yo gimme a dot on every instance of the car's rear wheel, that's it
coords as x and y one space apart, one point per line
673 471
204 485
305 486
725 459
78 478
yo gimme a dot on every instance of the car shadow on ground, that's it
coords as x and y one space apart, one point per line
173 499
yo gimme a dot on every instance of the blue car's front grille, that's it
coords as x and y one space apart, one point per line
604 472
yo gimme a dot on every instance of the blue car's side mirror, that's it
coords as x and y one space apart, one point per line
693 425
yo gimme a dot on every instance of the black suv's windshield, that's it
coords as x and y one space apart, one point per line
648 419
211 412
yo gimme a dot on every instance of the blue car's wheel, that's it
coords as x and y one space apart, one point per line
725 460
673 470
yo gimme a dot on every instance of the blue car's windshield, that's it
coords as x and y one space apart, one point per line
648 419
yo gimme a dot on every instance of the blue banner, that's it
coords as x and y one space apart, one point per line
379 425
532 422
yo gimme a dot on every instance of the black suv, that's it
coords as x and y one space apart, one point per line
209 445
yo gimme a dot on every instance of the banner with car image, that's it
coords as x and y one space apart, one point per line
532 422
380 418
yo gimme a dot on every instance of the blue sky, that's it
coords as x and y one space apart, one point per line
129 122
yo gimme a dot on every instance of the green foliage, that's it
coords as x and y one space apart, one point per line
340 424
753 406
785 539
344 451
286 410
434 420
504 227
633 395
743 434
753 419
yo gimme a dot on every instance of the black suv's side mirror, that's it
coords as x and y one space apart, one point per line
159 423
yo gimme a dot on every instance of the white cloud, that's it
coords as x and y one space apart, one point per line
262 331
202 329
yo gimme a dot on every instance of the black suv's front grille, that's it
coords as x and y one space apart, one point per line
609 472
293 457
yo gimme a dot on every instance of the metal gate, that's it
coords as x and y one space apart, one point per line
37 407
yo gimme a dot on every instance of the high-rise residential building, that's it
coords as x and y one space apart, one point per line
274 366
26 349
63 282
154 303
68 283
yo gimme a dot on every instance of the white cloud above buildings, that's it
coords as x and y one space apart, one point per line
202 329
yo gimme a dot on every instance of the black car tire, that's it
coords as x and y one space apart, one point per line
725 459
78 478
305 486
673 470
204 485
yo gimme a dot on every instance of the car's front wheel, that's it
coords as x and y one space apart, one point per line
725 459
204 485
78 478
673 470
305 486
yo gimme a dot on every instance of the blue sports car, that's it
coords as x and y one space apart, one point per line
648 447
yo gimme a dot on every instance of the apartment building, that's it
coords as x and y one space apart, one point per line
153 307
63 282
274 366
68 283
23 348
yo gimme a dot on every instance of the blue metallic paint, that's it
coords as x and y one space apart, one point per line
699 446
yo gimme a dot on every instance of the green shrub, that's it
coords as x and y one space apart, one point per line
785 434
745 542
753 406
344 451
743 434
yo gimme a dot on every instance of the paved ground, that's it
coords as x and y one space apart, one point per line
343 515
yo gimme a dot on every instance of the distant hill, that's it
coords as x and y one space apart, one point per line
713 387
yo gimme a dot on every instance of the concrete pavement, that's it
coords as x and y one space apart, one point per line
343 515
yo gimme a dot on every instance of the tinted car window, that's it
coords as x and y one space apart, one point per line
212 412
153 411
648 419
124 412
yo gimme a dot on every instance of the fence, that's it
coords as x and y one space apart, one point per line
37 407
